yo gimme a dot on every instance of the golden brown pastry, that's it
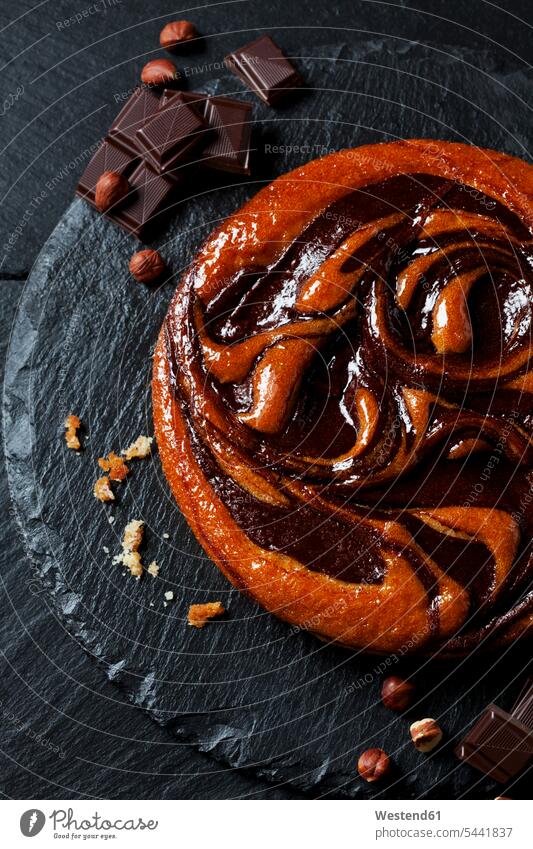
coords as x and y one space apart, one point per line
343 397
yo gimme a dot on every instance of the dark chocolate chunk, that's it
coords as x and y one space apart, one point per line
523 707
263 67
171 134
477 759
228 147
194 98
108 157
140 107
498 745
149 199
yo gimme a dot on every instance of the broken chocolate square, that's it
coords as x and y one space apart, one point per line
523 707
108 157
264 68
228 146
140 107
498 745
149 199
171 134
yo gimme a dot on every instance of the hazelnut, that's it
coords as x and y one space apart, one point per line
397 693
501 798
176 32
159 72
147 265
110 189
373 765
426 734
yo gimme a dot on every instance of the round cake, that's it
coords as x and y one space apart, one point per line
342 397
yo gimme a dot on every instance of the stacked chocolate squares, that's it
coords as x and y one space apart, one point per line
157 142
500 744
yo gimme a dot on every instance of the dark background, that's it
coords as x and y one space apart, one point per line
57 85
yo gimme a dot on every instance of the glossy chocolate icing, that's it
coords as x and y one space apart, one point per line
373 374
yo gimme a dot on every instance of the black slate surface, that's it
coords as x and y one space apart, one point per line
250 691
66 732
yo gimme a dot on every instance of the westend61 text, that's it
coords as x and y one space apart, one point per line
407 815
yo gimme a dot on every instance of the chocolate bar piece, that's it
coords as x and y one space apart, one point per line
108 157
149 198
498 745
263 67
171 134
523 707
140 107
194 98
477 759
230 149
228 146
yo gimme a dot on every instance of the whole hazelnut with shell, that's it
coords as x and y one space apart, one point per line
175 33
146 266
373 765
159 72
397 693
110 189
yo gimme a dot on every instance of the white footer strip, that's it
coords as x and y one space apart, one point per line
261 825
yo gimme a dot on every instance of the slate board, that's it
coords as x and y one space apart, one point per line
251 691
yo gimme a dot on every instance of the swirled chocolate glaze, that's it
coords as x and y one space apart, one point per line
367 395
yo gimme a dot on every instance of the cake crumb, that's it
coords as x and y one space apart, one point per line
166 536
115 465
72 425
169 595
105 549
102 489
139 449
199 614
131 542
133 535
153 569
